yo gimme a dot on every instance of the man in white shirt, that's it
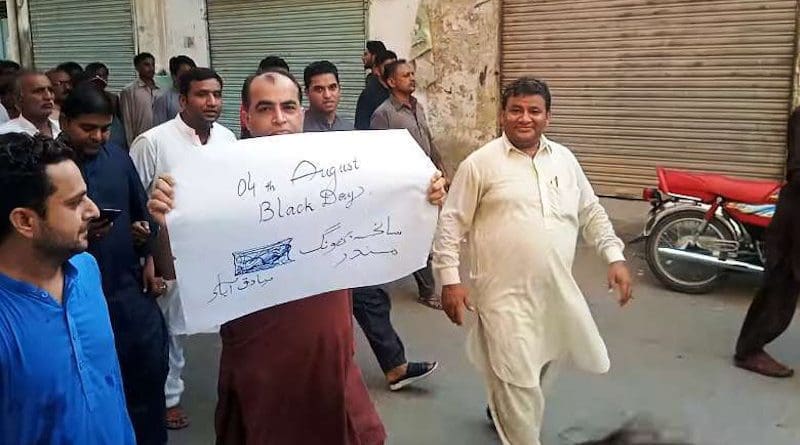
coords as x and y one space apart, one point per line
35 99
158 151
522 200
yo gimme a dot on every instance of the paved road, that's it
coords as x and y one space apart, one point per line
670 357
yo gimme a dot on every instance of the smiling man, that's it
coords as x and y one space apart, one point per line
522 200
35 99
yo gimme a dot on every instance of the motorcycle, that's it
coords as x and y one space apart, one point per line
702 226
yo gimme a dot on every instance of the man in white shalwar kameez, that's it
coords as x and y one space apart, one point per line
522 200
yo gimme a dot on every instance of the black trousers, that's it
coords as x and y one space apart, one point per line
774 305
424 278
141 339
372 309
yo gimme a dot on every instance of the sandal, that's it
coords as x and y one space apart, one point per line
433 302
176 418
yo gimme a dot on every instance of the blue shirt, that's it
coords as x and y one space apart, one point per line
60 381
112 182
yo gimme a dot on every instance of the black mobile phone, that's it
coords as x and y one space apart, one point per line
109 214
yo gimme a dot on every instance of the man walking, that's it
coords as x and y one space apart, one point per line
34 97
371 305
774 305
161 150
376 91
402 111
310 373
523 200
167 105
136 99
119 242
59 376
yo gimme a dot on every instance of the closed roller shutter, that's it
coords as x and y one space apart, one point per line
300 31
84 32
701 85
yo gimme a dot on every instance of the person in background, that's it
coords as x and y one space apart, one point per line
523 200
373 48
73 69
62 85
121 242
775 303
403 111
136 99
59 376
266 64
371 305
159 150
98 74
167 105
8 71
375 93
34 96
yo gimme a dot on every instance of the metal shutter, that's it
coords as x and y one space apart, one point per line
300 31
702 85
74 30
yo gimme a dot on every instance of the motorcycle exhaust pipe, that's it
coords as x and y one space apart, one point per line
740 266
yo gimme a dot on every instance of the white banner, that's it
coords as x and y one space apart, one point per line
269 220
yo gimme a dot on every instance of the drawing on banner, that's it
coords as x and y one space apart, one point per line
262 258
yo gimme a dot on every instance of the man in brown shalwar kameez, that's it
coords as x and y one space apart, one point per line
287 373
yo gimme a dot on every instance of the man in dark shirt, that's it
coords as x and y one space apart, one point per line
774 305
120 246
60 381
371 51
375 93
371 305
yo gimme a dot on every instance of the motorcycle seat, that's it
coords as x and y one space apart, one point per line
708 186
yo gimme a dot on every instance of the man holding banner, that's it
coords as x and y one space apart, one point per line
287 373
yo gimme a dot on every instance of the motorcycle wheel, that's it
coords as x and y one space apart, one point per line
675 231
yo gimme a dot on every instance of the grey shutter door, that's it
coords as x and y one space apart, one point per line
301 31
703 85
84 32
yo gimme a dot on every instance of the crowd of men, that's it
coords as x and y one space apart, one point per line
91 325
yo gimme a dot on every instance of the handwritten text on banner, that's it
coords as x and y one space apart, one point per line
269 220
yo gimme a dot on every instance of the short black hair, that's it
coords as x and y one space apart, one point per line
86 99
391 68
527 86
9 65
176 62
384 56
23 173
141 57
71 68
196 75
281 71
317 68
95 67
375 47
272 62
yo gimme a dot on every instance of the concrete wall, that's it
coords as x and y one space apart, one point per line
455 46
167 29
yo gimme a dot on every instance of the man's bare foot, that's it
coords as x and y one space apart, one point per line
763 363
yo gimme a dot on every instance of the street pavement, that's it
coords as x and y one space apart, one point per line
670 365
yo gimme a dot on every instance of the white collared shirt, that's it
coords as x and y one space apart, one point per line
160 149
21 125
522 217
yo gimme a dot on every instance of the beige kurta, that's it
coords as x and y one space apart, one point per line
523 218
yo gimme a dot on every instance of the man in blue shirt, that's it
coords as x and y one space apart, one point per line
60 381
119 240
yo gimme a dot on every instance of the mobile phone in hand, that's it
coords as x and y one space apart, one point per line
109 214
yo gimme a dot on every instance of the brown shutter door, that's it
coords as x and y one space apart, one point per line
700 85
